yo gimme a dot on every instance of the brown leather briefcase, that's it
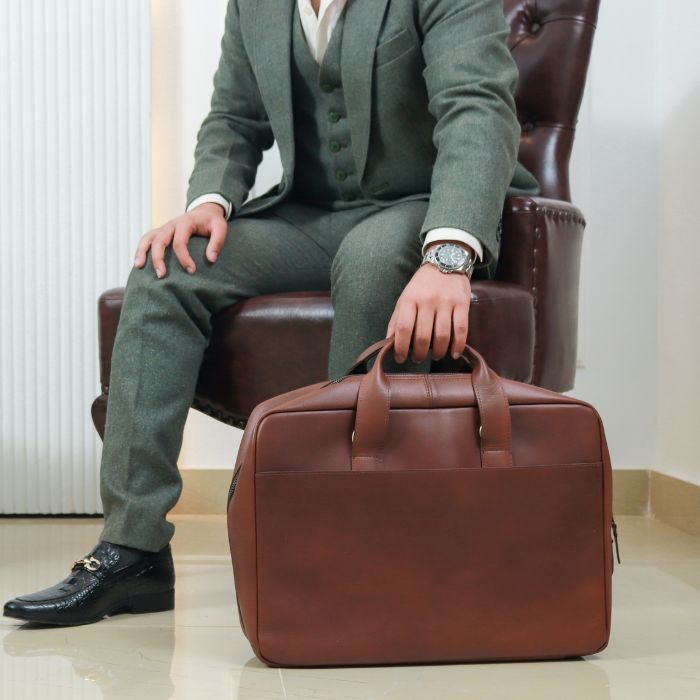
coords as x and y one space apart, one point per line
422 518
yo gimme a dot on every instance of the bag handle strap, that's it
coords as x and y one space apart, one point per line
374 400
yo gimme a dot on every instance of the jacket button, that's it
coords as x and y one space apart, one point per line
341 174
335 146
333 116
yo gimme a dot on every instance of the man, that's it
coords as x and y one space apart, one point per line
398 135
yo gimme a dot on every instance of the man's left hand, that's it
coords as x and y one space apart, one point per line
433 312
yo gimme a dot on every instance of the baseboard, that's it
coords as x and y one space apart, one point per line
631 491
204 491
675 502
635 492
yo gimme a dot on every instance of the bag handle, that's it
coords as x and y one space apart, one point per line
374 399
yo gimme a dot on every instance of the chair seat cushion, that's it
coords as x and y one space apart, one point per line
274 343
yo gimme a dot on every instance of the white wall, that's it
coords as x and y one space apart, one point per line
632 175
615 182
677 98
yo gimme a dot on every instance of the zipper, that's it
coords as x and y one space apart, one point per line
232 488
336 380
615 541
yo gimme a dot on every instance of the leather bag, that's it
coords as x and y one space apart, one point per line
421 518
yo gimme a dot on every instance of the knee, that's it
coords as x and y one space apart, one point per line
176 277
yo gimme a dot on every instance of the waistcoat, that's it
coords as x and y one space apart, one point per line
324 169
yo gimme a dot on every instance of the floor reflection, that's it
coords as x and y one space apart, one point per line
112 661
198 649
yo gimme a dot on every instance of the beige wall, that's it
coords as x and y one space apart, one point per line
678 103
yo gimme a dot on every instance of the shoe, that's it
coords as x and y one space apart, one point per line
111 579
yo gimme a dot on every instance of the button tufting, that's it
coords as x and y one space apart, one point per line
535 27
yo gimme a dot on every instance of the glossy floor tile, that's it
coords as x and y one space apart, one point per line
199 651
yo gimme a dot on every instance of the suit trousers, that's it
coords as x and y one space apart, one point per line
364 254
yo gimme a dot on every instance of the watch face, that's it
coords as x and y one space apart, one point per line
451 256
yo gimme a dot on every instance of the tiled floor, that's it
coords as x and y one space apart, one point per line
198 650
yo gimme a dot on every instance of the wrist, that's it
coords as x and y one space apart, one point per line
450 256
211 207
465 246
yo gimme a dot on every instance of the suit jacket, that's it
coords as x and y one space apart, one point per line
428 87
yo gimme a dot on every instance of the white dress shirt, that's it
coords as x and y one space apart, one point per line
318 30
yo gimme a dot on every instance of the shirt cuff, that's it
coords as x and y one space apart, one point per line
448 233
214 198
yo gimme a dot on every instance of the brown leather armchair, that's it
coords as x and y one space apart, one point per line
524 321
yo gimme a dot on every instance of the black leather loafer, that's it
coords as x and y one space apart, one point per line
111 579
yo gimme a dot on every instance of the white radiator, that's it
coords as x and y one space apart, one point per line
75 101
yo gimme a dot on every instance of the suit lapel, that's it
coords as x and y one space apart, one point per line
362 23
272 46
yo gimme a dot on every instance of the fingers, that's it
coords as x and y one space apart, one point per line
431 315
405 318
460 323
391 324
207 220
158 245
442 332
184 229
217 235
423 333
142 249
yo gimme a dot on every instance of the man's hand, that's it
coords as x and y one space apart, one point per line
433 310
205 220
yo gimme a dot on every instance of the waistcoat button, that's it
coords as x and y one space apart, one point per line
341 174
335 146
333 116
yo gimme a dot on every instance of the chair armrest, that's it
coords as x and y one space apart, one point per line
541 250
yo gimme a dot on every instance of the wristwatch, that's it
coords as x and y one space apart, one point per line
450 257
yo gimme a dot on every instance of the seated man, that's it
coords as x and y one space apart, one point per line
398 134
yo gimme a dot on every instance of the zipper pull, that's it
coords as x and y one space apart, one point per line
617 546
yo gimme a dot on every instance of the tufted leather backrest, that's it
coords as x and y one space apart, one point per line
551 42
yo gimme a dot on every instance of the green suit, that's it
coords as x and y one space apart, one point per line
429 88
407 124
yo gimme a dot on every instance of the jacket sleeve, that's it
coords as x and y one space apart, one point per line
233 136
470 78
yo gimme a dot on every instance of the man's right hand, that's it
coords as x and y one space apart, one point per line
205 220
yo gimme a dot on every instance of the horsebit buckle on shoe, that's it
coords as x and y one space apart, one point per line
90 563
